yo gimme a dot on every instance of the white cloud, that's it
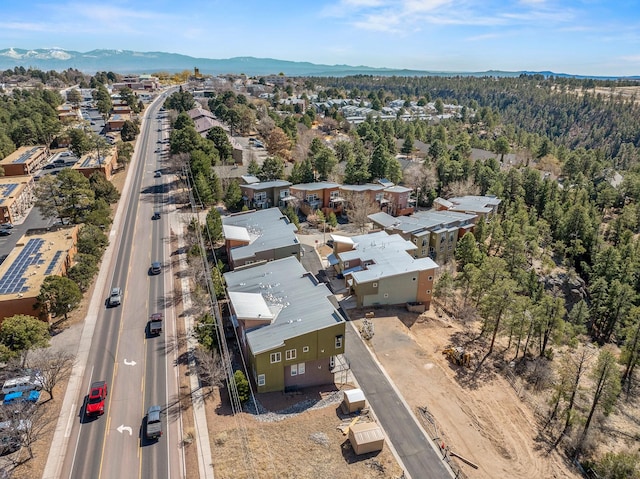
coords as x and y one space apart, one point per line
400 15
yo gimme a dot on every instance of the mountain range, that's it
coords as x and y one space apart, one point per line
128 61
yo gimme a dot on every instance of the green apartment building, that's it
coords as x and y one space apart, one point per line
290 331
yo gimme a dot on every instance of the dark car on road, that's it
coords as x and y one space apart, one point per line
153 426
156 267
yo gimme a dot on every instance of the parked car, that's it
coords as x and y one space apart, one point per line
22 384
5 232
97 396
153 426
20 396
157 174
115 299
6 226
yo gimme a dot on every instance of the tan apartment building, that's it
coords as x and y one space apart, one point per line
381 269
16 197
25 160
35 256
90 163
290 331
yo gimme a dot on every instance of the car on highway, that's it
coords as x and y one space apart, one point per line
97 396
156 215
156 267
153 423
157 174
115 298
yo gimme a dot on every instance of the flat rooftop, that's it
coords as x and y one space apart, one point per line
11 187
264 230
284 293
22 155
34 258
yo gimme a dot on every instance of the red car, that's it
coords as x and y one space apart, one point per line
97 395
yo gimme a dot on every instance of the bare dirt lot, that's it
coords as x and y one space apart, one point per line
483 420
307 445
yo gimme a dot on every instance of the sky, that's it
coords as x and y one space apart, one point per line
581 37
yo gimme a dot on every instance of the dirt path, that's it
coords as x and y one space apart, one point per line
484 421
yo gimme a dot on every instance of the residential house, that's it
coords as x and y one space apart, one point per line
381 269
16 197
324 196
483 206
26 160
258 237
289 329
262 195
37 254
435 233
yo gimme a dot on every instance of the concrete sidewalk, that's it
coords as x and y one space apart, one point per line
205 466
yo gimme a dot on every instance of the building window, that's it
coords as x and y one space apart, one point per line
261 380
415 240
301 368
332 362
339 342
428 291
375 285
294 369
430 278
305 349
290 354
386 295
413 279
346 265
276 357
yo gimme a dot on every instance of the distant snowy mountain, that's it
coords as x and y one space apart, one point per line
128 61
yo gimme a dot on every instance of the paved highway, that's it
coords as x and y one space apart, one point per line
135 367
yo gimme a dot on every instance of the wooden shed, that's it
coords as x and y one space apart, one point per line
366 437
354 400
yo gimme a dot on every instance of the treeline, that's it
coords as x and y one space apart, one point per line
565 110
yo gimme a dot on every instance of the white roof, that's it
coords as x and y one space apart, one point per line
237 233
354 395
341 239
250 305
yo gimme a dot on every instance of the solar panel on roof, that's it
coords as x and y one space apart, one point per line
53 263
13 280
26 155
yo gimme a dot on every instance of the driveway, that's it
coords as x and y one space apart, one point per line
417 454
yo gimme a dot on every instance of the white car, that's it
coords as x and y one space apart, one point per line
115 299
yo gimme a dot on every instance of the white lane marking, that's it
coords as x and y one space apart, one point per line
123 428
